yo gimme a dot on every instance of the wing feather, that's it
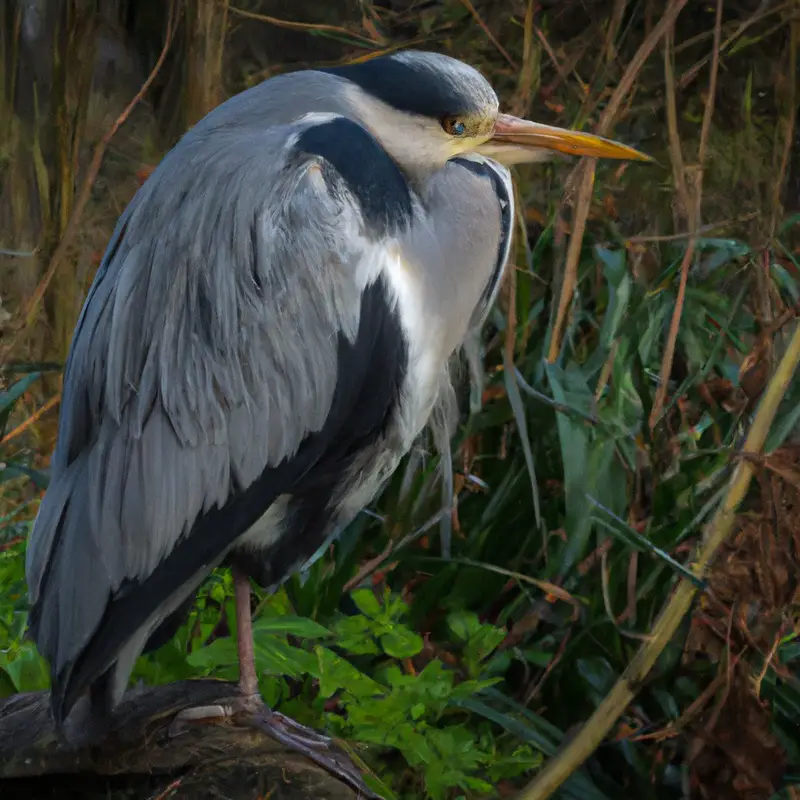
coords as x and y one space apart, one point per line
204 380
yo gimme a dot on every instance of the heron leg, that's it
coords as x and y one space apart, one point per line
248 678
249 710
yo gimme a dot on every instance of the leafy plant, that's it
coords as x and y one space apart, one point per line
22 669
384 702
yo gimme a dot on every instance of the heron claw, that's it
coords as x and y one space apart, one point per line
319 748
251 711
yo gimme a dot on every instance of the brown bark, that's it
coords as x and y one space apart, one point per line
135 755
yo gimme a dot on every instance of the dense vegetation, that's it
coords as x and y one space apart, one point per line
634 338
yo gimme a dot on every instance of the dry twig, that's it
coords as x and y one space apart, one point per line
301 26
585 171
88 182
702 231
492 38
563 73
694 200
764 10
17 253
789 124
682 203
40 412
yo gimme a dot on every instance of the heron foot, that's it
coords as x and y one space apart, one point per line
250 711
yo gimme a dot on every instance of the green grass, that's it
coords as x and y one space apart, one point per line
455 677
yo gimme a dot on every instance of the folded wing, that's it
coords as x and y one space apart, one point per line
238 334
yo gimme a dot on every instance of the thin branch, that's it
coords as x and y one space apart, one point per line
17 253
368 567
485 28
311 27
702 231
586 171
530 73
608 712
764 10
86 188
789 126
695 218
709 109
23 426
562 72
582 206
614 25
673 136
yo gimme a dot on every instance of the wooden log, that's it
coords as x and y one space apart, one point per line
135 754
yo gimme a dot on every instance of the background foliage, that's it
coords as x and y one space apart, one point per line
579 493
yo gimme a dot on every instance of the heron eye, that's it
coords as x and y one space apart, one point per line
453 126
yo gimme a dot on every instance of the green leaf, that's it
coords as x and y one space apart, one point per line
9 397
477 784
518 407
366 602
301 627
275 656
220 653
540 733
784 426
598 676
12 470
334 673
789 222
355 634
619 289
401 642
26 668
483 643
574 439
649 340
463 624
618 528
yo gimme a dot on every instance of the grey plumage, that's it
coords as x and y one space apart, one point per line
267 334
204 353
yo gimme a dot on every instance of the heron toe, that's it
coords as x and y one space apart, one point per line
252 712
321 749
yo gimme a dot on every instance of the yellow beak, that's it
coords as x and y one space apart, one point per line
519 140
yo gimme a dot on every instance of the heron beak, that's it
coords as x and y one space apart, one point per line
516 141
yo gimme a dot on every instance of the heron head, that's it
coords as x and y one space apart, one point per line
426 108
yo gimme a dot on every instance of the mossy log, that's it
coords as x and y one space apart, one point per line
136 755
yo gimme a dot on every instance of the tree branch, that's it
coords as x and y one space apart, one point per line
137 745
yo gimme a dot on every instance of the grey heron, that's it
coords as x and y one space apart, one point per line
266 336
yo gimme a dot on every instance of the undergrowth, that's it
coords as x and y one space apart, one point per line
455 677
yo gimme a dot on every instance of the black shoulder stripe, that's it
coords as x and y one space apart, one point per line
376 365
486 170
369 172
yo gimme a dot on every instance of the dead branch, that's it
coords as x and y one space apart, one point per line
137 746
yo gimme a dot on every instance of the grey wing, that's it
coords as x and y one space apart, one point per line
226 346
